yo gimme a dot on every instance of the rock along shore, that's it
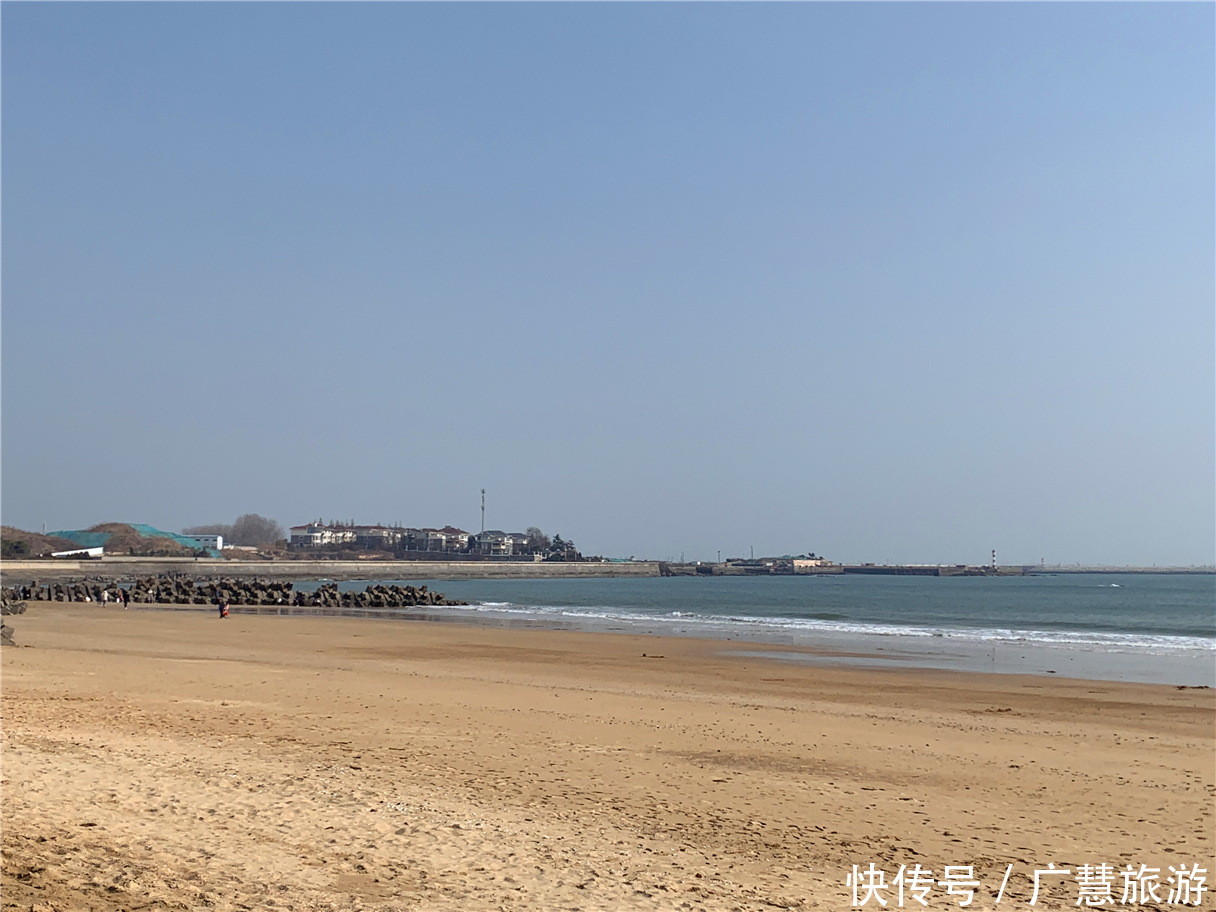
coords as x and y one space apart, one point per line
169 590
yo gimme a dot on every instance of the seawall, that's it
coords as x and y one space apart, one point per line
23 572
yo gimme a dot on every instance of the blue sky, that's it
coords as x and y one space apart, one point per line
885 282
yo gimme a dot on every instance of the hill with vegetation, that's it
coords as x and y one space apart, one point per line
126 539
116 538
17 543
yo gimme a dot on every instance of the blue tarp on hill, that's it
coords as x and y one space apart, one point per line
153 532
99 539
84 539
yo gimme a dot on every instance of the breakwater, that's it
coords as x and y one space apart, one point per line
172 590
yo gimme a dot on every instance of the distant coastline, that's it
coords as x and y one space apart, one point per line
24 571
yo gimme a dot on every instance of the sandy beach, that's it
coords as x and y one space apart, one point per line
168 759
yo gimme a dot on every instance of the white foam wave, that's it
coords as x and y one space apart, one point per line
687 622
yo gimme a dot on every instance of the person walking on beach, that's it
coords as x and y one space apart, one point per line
223 607
125 596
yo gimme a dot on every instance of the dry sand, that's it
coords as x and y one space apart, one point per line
173 760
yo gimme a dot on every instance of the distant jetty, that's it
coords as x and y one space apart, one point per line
793 567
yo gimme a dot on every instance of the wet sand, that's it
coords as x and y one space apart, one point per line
173 760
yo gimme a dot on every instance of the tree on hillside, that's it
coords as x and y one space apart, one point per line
210 529
538 541
250 529
562 550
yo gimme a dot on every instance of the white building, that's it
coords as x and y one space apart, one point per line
448 538
315 535
208 541
810 565
384 538
381 538
501 544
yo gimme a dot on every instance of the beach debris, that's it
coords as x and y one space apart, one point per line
6 635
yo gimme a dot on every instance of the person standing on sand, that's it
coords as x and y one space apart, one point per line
125 596
223 603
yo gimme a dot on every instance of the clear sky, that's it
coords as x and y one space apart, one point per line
883 282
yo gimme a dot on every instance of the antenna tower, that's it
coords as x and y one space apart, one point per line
483 510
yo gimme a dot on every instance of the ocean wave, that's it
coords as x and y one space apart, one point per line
834 625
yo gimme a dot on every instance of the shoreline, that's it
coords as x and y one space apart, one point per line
157 757
1077 628
1193 670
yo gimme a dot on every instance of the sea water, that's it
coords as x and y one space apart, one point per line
1155 628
